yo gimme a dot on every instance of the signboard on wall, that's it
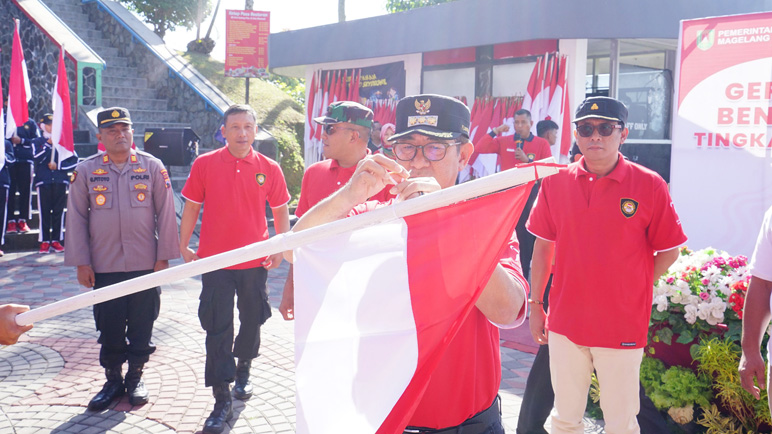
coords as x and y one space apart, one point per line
246 39
721 179
383 82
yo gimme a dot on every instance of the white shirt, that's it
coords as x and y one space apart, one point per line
761 261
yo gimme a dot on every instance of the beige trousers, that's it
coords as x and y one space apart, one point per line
618 372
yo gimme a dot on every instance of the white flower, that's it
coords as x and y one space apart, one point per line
661 302
690 314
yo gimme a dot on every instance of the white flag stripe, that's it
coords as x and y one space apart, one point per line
341 296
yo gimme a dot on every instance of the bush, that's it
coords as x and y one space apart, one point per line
203 46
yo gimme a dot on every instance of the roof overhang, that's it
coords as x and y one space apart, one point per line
472 23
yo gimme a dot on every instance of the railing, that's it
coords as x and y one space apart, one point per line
61 34
214 99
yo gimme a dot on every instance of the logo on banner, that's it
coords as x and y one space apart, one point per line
629 207
705 40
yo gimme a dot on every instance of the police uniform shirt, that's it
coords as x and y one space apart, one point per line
121 220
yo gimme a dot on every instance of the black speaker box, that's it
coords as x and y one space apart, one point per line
173 146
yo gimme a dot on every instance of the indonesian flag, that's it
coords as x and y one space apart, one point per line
19 92
555 111
61 127
533 88
376 308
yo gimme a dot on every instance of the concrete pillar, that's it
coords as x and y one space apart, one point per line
576 50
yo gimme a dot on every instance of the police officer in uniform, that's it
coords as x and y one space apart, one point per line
121 224
21 177
51 181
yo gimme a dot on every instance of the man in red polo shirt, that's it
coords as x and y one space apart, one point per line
431 146
612 229
235 182
346 130
521 148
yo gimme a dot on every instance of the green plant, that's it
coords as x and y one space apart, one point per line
717 423
291 160
719 359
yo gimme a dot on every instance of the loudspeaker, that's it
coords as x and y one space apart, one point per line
173 146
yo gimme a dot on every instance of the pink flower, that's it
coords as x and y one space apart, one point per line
705 281
704 295
670 279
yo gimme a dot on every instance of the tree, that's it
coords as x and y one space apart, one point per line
169 14
393 6
341 11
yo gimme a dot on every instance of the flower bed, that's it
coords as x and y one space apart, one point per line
696 322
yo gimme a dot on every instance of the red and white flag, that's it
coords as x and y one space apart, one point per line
61 127
19 92
377 307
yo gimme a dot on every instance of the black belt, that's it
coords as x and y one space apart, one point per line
476 424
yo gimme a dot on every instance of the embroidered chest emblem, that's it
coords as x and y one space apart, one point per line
260 178
629 207
99 171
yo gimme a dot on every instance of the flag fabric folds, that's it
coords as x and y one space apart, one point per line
61 127
376 309
19 92
2 126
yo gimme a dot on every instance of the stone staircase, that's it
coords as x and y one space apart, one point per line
121 84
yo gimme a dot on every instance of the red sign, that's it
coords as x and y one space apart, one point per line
246 38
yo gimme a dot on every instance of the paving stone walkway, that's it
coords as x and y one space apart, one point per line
48 378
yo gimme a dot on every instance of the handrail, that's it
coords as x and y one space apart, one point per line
29 7
169 58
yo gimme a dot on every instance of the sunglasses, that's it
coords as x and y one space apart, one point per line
330 129
605 130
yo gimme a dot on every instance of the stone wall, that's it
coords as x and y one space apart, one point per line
203 118
42 57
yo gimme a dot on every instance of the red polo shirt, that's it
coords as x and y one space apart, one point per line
536 148
325 178
605 232
234 192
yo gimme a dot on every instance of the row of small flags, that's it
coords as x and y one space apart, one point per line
328 87
20 93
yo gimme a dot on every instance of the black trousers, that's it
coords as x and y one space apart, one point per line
130 317
52 198
525 238
215 311
3 213
21 182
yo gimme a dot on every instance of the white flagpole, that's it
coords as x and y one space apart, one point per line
291 240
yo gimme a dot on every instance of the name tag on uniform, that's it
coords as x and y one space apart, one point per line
510 150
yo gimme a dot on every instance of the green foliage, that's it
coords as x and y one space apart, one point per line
292 86
169 14
291 160
717 423
675 386
393 6
593 409
719 359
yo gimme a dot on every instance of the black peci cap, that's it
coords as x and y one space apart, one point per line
432 115
47 119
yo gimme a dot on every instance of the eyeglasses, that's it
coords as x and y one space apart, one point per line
605 130
432 151
330 129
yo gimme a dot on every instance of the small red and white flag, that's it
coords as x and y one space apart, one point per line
19 92
61 127
376 308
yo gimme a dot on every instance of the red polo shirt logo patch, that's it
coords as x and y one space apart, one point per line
260 178
629 207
